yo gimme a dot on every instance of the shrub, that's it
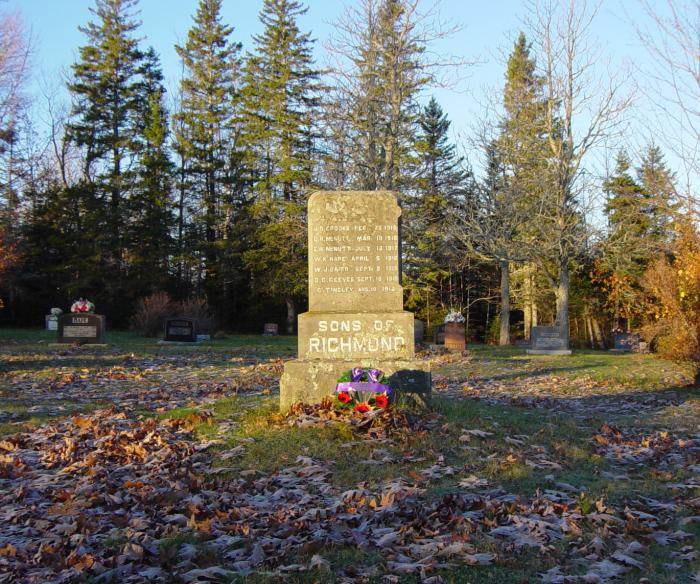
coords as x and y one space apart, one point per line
673 287
198 308
151 312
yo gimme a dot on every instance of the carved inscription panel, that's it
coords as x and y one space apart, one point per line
385 335
354 250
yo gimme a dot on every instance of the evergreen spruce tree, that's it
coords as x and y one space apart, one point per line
106 124
384 46
205 123
625 251
152 219
440 170
441 187
658 185
522 150
280 97
106 113
624 205
640 214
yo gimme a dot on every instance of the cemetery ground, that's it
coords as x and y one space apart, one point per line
146 463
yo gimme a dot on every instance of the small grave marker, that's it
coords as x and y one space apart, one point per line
181 330
628 342
454 336
548 340
418 331
82 328
270 329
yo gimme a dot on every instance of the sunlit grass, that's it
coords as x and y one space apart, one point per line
511 455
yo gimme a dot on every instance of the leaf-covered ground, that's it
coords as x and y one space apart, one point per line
140 463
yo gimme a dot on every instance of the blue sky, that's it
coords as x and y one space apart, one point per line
487 33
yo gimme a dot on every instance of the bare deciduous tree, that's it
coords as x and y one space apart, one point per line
495 228
382 57
14 67
672 82
585 106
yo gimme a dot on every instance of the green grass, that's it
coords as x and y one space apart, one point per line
254 423
32 339
616 370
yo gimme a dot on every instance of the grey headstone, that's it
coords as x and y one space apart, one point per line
548 340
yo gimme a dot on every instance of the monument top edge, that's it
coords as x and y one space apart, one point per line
317 194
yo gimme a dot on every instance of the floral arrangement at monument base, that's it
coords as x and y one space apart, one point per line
454 316
82 306
363 390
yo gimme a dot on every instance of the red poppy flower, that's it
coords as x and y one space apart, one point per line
344 397
362 407
381 401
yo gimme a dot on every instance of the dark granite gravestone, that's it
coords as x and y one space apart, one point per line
627 342
440 334
418 331
181 330
270 329
548 340
82 328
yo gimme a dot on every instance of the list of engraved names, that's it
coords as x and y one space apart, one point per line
351 258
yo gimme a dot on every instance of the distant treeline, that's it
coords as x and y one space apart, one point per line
202 194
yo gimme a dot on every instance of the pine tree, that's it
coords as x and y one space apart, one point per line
106 123
384 45
441 170
522 150
106 113
205 124
441 187
150 239
399 66
658 185
624 251
624 206
280 97
640 217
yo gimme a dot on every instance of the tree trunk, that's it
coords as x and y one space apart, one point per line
562 294
291 315
181 223
598 334
589 331
529 306
504 338
487 339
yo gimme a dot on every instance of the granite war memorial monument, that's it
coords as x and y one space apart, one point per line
356 316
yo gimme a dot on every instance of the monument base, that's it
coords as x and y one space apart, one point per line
309 381
78 344
548 351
